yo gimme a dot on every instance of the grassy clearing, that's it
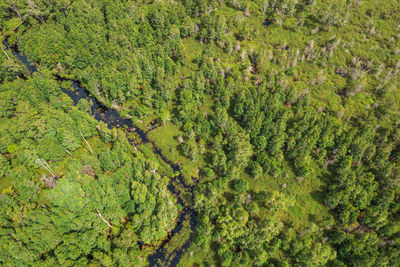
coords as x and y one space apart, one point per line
165 138
307 193
6 182
197 256
164 168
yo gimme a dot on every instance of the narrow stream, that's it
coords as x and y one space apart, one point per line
113 119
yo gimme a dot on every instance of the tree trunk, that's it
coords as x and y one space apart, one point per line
104 220
5 53
91 151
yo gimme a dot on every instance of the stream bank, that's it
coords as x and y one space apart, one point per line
113 119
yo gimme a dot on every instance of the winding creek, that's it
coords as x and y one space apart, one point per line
114 120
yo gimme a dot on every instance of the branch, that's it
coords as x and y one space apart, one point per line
5 53
101 217
69 153
15 9
49 167
18 25
133 144
42 163
86 142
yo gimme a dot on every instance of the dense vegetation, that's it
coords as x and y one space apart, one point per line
283 115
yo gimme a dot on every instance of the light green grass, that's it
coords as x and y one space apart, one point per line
197 256
5 183
164 168
165 138
308 206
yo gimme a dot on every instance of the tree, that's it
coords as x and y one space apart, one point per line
164 116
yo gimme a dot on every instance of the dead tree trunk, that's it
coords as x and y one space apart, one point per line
49 167
9 59
101 217
46 166
15 9
134 146
91 151
69 153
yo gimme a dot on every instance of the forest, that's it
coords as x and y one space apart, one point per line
200 133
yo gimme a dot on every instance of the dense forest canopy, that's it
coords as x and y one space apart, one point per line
251 132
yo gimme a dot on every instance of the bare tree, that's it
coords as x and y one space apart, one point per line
16 10
34 11
44 164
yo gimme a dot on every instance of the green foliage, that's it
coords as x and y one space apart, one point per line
270 116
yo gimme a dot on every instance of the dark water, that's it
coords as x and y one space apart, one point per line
99 111
113 119
267 22
21 57
186 213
